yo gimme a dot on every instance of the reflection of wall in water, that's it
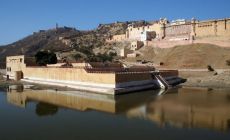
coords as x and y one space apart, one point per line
80 100
59 99
16 97
197 108
188 108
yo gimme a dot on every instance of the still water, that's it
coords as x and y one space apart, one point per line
183 113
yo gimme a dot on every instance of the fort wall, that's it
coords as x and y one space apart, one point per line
80 75
117 38
68 74
124 77
213 28
134 33
179 32
204 29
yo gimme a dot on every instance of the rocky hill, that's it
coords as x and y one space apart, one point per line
38 41
50 40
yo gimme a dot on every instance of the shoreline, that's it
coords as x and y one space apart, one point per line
209 80
194 79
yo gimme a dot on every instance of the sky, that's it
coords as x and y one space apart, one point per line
20 18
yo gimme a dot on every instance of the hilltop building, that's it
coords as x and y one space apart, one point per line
161 33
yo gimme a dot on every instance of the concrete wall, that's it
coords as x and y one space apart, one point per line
73 64
69 74
127 77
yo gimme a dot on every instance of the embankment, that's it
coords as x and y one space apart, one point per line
194 56
207 79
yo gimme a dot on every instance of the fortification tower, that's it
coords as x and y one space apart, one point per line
193 29
163 23
129 29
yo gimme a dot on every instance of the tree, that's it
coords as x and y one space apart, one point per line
78 57
45 57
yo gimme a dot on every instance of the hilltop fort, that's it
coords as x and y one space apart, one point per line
177 30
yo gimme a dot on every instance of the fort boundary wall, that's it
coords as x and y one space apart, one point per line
182 33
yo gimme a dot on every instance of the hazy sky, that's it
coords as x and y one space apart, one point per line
19 18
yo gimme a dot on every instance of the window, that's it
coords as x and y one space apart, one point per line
8 69
20 60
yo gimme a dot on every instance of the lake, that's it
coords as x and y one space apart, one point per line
180 113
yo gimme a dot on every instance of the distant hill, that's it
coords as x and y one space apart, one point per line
49 39
29 45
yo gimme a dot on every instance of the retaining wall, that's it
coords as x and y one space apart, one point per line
69 74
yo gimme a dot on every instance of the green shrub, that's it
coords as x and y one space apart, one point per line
78 56
45 57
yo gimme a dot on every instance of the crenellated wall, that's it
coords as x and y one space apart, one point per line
187 30
178 31
213 28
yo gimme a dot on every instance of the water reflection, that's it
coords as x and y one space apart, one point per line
183 108
44 109
192 108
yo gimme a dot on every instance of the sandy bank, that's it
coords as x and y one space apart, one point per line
221 80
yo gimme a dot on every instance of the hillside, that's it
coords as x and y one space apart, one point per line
188 56
38 41
87 41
